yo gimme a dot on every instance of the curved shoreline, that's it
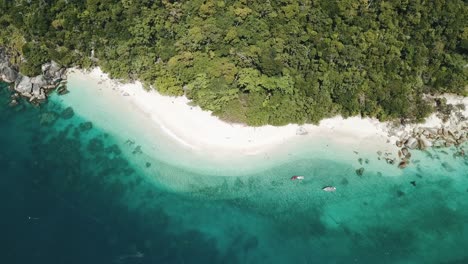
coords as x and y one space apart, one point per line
200 131
172 131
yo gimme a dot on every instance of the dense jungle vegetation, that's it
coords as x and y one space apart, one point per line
257 61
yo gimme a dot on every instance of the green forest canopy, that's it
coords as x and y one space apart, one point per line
258 61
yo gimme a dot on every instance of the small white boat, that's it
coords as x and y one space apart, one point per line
329 188
297 177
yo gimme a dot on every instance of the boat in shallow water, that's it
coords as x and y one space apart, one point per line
329 188
297 177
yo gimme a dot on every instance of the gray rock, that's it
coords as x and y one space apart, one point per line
36 90
62 90
23 85
424 143
37 83
52 70
13 102
8 74
412 143
42 95
301 131
33 88
404 151
45 67
445 132
39 80
62 73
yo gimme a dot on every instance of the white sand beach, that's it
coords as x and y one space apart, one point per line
172 131
200 131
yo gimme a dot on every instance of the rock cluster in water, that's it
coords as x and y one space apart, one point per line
34 88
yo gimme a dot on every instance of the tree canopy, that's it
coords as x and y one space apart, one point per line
258 62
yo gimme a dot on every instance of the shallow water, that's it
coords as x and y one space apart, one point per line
75 194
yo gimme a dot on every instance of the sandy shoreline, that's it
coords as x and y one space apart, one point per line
171 131
198 130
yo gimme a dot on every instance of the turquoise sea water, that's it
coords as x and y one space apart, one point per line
73 192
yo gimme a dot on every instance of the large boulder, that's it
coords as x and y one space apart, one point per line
424 143
45 67
8 74
37 83
405 152
52 70
23 85
412 143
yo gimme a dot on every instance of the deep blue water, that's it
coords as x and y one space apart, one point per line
69 195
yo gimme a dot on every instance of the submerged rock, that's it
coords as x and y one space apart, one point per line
67 113
95 145
13 103
344 181
403 164
48 118
85 126
400 193
114 149
62 90
447 167
360 171
137 150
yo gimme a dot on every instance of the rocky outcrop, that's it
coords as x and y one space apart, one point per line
445 128
444 137
34 88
